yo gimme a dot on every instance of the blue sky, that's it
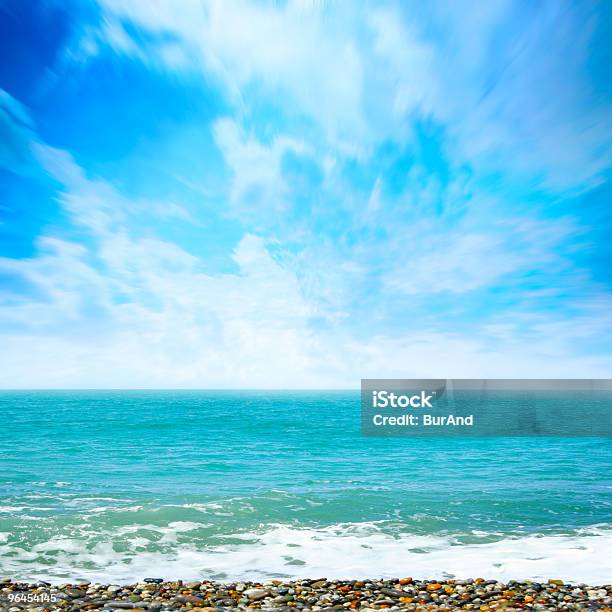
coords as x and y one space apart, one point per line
302 194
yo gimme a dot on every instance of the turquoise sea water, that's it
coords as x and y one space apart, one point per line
115 486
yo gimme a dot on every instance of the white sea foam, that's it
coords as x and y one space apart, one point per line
341 551
12 509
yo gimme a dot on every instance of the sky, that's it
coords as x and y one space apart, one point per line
303 194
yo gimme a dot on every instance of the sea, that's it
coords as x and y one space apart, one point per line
117 486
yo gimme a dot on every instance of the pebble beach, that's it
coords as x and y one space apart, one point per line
155 594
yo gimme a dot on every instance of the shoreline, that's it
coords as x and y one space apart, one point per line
157 595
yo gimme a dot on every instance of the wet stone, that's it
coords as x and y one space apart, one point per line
319 595
255 594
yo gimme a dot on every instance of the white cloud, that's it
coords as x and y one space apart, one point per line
511 98
140 312
518 92
120 311
431 354
462 259
292 53
258 191
401 70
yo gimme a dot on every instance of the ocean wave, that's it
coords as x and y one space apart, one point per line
355 550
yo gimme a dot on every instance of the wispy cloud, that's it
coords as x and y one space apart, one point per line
509 94
320 192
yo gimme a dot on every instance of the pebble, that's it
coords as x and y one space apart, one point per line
157 595
255 594
193 585
193 599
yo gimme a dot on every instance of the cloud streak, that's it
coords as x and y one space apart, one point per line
376 191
